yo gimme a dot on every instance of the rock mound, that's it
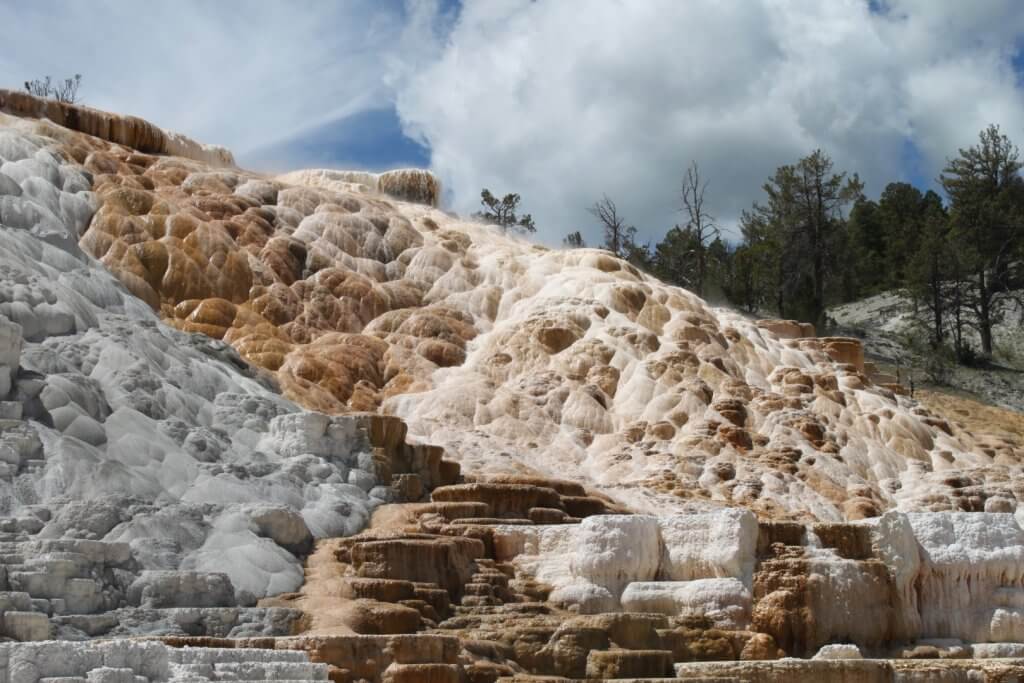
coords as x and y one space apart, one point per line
626 482
516 358
129 131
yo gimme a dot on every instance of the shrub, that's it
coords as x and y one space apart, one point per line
66 91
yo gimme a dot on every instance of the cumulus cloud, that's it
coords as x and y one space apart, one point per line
559 100
242 74
564 101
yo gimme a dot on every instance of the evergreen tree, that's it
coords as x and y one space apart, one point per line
800 229
901 217
867 245
502 212
574 240
675 257
929 271
986 196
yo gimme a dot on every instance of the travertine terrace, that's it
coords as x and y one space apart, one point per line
313 425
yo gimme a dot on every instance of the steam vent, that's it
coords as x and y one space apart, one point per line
312 427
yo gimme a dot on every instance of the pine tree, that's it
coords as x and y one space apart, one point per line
502 212
986 196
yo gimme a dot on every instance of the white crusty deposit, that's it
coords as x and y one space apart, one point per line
141 466
583 366
769 494
126 661
612 562
897 578
359 294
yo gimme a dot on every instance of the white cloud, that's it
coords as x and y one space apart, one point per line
560 100
563 101
241 74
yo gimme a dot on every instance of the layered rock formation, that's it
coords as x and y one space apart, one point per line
129 131
488 345
620 481
151 481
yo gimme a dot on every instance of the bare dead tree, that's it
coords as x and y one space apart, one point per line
699 222
614 225
64 91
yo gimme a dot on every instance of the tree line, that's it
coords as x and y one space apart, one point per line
815 240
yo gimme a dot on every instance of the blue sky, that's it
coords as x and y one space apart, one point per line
562 101
371 139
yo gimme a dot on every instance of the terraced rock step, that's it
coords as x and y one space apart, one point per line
159 314
630 596
373 658
863 671
139 661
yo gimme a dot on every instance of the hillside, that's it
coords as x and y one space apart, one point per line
317 413
882 321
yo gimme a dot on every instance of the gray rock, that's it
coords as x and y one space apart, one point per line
282 525
26 626
156 588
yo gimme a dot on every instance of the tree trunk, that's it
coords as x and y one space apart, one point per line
819 288
984 314
937 303
700 269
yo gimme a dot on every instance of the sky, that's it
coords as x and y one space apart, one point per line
562 101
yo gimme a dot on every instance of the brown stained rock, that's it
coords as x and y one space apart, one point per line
454 511
562 486
812 430
503 500
787 329
486 672
736 436
797 601
584 506
760 646
124 130
441 353
697 641
569 645
567 650
861 508
556 339
783 613
382 590
662 431
422 673
770 534
367 656
845 350
629 663
411 185
172 231
449 472
732 410
850 541
380 618
438 598
604 377
804 671
549 516
408 486
446 562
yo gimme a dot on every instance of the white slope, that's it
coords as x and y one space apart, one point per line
589 369
117 428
